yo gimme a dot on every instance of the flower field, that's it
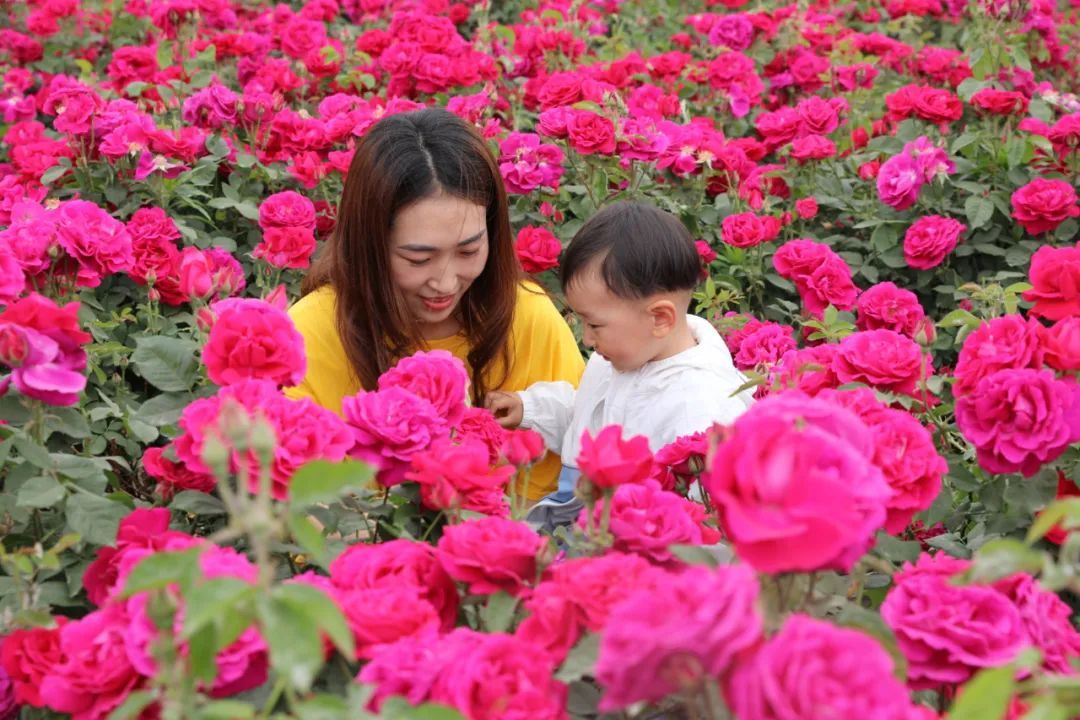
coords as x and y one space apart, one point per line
884 196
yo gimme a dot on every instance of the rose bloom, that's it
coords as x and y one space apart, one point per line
807 208
695 626
595 585
537 249
591 134
172 476
812 147
887 306
899 181
949 632
457 477
882 359
27 656
1062 345
765 346
828 284
608 460
43 345
554 622
1000 102
1005 342
252 339
1055 277
817 505
937 106
743 230
1020 419
1043 204
809 370
286 247
491 554
389 426
436 376
681 461
95 239
930 239
814 669
1048 621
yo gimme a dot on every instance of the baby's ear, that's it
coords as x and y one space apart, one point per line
664 316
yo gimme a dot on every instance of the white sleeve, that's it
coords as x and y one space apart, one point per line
548 408
673 414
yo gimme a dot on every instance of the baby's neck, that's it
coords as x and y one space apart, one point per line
680 340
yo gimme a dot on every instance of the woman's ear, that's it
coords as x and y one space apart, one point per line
664 316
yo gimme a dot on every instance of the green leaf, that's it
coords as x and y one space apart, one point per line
205 601
897 550
950 544
133 705
33 453
695 555
197 503
978 210
94 518
1001 558
163 409
69 421
498 612
321 481
227 710
986 696
397 708
308 536
163 569
1054 513
296 650
322 610
581 660
202 651
40 492
248 209
53 174
168 363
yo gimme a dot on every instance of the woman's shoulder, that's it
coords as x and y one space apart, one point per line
315 308
534 304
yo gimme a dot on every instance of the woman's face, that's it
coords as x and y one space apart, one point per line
438 246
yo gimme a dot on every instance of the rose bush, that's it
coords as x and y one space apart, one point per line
884 198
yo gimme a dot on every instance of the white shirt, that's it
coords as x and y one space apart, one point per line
663 400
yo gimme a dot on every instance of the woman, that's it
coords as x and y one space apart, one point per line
422 259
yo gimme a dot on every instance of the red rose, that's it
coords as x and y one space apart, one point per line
1062 344
174 476
537 249
937 106
523 446
807 208
1055 277
1000 102
1066 489
286 247
27 656
608 460
481 425
1042 205
748 229
491 554
591 134
460 477
560 89
812 147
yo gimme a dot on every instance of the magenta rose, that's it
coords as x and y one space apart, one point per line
608 460
930 239
883 359
591 134
491 554
480 424
691 628
389 427
286 209
597 584
172 476
1043 204
1047 619
95 239
1062 345
1005 342
814 669
382 615
949 632
12 276
809 370
1055 277
1020 419
456 477
899 181
646 520
43 345
436 376
554 622
743 230
888 307
817 505
765 346
286 247
537 249
681 461
828 284
253 339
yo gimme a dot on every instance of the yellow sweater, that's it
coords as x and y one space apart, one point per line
542 348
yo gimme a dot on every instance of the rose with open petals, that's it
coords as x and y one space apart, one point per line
882 359
1062 345
814 669
886 306
1019 420
659 641
597 584
27 657
930 239
949 632
459 477
591 134
1005 342
1055 280
1043 204
608 460
537 249
491 554
815 505
42 344
95 239
899 181
1048 621
253 339
743 230
436 376
286 247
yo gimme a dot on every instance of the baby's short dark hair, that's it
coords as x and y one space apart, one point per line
642 249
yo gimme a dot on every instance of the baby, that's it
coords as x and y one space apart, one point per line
657 371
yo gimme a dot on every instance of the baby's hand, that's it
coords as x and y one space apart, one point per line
506 407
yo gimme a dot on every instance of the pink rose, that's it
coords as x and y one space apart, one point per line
816 505
1043 204
172 476
765 346
43 345
1005 342
743 230
537 249
817 116
1062 345
460 477
526 164
382 615
591 134
286 247
678 463
27 657
1019 419
608 460
286 209
554 622
813 669
691 628
212 107
253 339
12 277
807 208
809 370
886 306
480 424
1047 619
491 554
436 376
210 273
1055 277
389 427
883 359
829 284
597 584
948 632
734 31
646 520
812 147
899 181
930 239
96 240
398 564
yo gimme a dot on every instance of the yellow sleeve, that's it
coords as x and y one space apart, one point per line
543 350
329 377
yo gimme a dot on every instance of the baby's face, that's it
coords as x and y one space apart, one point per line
620 329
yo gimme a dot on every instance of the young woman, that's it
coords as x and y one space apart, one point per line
423 258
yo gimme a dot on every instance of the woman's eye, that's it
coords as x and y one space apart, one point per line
417 263
469 253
